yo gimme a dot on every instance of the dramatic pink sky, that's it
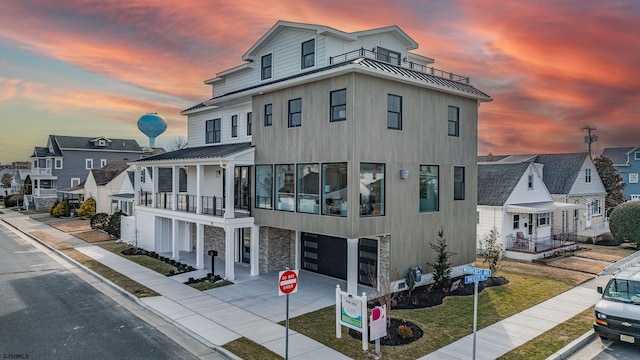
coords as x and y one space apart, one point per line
90 68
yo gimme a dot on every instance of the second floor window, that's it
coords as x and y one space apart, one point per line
213 131
530 182
234 126
249 121
338 105
143 173
58 163
458 183
394 112
389 56
454 121
295 112
266 67
308 54
268 115
103 163
88 164
587 176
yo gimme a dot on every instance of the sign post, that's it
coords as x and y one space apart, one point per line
351 311
287 284
476 276
378 325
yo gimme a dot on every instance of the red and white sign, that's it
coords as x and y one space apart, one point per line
288 282
378 322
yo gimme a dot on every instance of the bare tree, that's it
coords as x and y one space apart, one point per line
177 143
383 290
6 180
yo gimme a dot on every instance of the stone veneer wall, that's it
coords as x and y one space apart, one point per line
277 249
43 203
214 239
384 268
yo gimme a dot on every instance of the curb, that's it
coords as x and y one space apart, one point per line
217 349
574 346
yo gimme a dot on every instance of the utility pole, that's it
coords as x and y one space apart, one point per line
589 139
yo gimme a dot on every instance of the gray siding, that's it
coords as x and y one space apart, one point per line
73 165
364 137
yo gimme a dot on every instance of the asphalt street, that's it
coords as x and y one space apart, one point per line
48 311
606 350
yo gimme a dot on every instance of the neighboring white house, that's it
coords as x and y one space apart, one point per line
514 202
102 184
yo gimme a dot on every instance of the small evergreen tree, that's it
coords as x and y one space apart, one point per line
612 181
442 265
411 280
113 226
53 206
491 250
87 209
99 221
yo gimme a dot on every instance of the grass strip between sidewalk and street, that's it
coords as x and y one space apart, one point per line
249 350
551 341
144 260
115 277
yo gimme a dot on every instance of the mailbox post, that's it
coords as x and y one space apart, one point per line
213 254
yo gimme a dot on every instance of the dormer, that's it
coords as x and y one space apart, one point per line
100 141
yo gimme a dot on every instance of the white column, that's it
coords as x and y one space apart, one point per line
199 246
229 257
228 191
175 189
352 266
175 252
298 248
255 250
136 185
154 190
199 185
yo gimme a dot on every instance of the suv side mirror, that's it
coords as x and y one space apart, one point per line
599 289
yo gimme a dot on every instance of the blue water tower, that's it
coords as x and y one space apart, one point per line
152 125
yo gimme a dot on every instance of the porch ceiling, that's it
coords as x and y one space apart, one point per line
540 207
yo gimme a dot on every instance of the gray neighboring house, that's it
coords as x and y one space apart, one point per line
59 169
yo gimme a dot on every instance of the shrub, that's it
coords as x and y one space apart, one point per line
53 206
113 226
12 200
405 331
58 210
442 265
99 221
625 222
411 280
87 209
491 250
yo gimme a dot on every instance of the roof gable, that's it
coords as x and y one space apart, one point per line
561 170
620 155
109 172
93 144
496 181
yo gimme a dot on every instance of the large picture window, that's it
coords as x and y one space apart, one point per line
458 183
266 66
429 185
371 189
264 186
334 189
285 187
308 189
295 112
394 112
338 105
454 121
308 54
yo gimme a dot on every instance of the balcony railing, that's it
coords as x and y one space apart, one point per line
40 171
145 198
364 53
45 192
212 205
164 200
186 203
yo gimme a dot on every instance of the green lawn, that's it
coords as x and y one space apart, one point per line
144 260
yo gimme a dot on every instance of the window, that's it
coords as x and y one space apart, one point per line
308 189
35 164
371 189
516 222
543 219
285 186
58 164
429 184
530 182
295 112
636 156
597 207
308 54
75 182
587 176
458 183
249 121
478 217
234 125
268 115
334 189
394 112
266 67
389 56
338 105
264 186
454 121
88 164
143 174
633 178
103 163
213 131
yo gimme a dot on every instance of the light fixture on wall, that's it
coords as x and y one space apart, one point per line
218 173
404 174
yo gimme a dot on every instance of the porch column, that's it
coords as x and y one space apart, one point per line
228 191
154 189
352 266
175 252
199 246
175 188
255 250
228 253
199 184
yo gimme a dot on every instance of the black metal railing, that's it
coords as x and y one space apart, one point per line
164 200
146 198
369 54
213 205
539 244
186 203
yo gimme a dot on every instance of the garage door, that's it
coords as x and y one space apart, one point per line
325 255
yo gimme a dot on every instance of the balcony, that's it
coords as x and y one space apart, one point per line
368 54
211 205
40 171
45 192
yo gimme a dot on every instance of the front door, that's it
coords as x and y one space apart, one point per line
244 237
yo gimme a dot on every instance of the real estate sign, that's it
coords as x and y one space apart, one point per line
351 311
